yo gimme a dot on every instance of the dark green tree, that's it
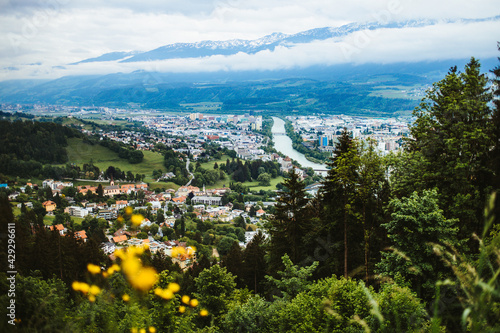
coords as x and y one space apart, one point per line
454 133
255 263
372 194
214 289
290 222
416 224
340 197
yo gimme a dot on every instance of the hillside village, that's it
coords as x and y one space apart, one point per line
165 208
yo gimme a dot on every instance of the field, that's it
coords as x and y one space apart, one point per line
202 106
415 92
80 153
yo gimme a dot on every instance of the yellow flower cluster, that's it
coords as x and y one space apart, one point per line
136 219
192 303
94 269
181 251
169 292
110 271
91 291
140 277
151 329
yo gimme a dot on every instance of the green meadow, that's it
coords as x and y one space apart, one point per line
80 152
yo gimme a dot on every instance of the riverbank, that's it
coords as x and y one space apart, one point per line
284 145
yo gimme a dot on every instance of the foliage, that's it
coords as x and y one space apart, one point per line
214 287
40 305
36 141
290 221
133 156
477 280
293 279
416 222
454 133
298 144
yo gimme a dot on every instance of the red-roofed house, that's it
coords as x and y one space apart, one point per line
59 227
49 206
179 199
119 239
121 204
81 235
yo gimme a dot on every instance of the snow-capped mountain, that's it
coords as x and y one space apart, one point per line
269 42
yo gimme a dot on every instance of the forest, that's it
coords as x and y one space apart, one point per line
406 242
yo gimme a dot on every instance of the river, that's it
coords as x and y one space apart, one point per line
283 144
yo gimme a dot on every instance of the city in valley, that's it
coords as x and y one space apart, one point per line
247 136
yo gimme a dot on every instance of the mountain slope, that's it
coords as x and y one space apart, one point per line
270 42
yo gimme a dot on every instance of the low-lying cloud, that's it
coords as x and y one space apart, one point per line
37 37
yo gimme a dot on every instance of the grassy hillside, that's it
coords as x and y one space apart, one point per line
80 152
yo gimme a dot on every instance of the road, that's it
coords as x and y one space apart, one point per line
189 172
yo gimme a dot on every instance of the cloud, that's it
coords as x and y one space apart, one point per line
58 32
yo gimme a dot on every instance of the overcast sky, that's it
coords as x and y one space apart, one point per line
37 36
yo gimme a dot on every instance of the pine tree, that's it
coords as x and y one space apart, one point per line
233 262
290 221
495 154
371 187
453 132
339 194
254 263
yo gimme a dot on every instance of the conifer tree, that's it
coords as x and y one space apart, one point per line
254 263
495 154
454 133
339 194
290 221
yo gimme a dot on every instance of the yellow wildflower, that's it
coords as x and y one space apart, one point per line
84 288
152 329
92 298
129 210
94 269
142 330
113 268
80 286
94 290
167 294
126 297
131 266
119 253
182 309
190 251
174 287
75 285
178 251
203 313
193 303
185 299
144 279
133 330
137 219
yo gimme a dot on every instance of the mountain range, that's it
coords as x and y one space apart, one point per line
350 88
270 42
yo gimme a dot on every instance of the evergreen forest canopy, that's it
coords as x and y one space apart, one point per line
401 243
